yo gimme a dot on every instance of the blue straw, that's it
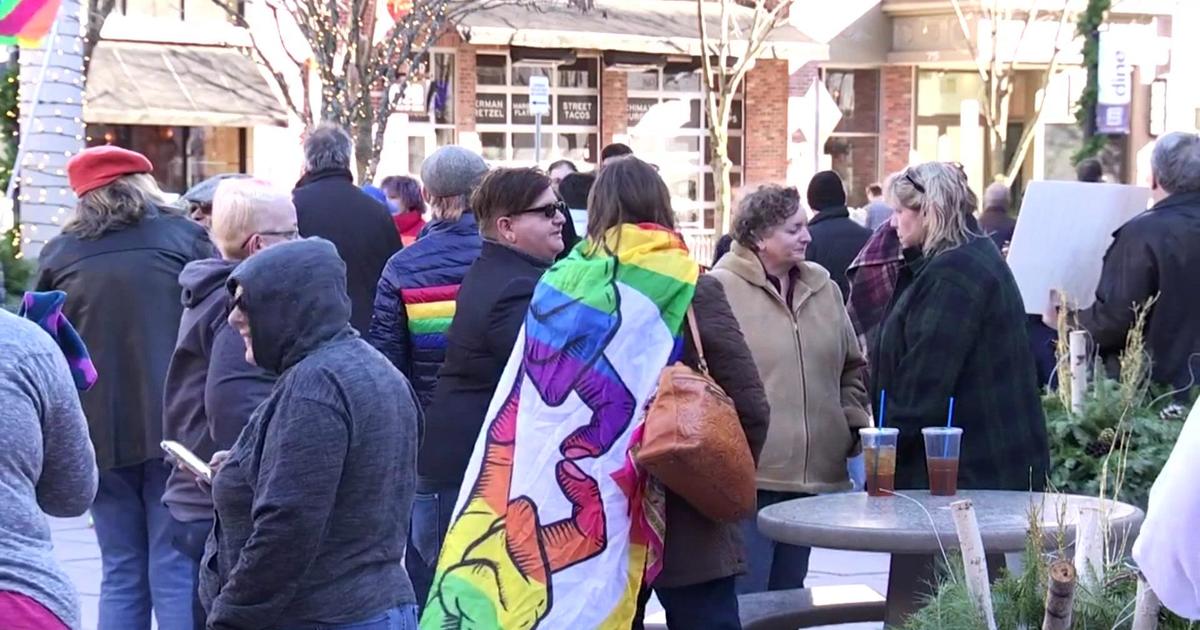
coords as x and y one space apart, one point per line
882 405
950 414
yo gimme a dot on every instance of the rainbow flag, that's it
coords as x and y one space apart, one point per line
430 311
551 528
26 22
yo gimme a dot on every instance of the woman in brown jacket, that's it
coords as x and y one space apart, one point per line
809 359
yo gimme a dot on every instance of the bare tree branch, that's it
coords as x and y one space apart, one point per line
1031 125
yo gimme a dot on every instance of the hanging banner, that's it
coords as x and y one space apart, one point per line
26 22
1115 80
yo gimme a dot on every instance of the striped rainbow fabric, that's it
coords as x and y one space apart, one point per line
552 529
26 22
430 311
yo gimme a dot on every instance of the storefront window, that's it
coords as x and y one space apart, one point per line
506 125
853 147
668 127
182 156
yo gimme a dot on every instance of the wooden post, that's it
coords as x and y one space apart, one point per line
1079 369
971 543
1145 614
1089 548
1060 596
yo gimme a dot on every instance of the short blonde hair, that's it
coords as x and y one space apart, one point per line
242 207
940 192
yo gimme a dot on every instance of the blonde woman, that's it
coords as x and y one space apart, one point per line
956 329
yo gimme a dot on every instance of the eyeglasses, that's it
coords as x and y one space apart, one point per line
549 210
287 235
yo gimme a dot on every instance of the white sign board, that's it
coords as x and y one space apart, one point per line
1114 74
539 95
1062 233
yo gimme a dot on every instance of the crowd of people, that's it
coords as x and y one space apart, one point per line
358 364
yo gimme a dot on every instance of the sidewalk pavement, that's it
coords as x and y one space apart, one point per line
76 551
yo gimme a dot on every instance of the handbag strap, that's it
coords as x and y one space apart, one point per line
691 320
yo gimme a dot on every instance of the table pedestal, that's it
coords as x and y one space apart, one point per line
911 579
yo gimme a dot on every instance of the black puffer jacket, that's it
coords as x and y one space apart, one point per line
1155 253
836 242
415 300
123 296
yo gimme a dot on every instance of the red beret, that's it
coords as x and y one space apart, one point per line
100 166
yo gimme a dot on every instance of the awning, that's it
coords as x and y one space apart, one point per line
135 83
665 27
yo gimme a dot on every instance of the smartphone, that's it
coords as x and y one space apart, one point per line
187 459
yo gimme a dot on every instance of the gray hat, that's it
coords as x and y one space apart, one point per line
451 171
203 192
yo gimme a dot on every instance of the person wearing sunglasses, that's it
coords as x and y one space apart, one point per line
521 221
210 388
955 331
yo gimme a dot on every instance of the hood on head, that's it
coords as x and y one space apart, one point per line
201 277
294 296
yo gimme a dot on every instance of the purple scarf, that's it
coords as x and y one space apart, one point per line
45 310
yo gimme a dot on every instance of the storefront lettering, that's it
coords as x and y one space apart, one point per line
490 108
577 110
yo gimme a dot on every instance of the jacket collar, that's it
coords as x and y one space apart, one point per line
744 263
493 248
833 212
464 225
325 173
1178 200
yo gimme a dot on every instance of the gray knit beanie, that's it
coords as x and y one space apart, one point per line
451 171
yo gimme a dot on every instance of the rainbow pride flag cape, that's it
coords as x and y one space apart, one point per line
26 22
551 529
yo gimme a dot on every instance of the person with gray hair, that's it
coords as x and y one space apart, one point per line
330 206
1157 255
995 220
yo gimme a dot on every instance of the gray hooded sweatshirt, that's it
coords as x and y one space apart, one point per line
313 503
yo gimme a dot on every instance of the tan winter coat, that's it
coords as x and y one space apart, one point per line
812 368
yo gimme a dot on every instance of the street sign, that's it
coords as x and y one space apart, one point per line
539 95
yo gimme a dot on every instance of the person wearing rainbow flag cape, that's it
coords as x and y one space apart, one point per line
555 525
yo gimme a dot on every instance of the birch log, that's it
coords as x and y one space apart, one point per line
1089 548
1145 614
971 543
1079 369
1060 596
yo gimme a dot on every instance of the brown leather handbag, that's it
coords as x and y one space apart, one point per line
694 444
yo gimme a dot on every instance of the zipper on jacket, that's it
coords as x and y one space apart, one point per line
803 382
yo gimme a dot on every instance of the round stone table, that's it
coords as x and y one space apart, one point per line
910 529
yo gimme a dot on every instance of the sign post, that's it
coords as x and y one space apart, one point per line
539 105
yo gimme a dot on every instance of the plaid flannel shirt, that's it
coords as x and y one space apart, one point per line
873 276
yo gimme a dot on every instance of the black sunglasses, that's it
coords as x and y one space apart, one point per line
549 210
909 177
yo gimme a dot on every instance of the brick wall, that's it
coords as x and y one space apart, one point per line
766 133
464 93
896 133
614 105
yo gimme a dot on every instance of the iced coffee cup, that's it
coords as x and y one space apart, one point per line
879 454
941 459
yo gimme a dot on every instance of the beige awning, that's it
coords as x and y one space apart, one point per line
665 27
135 83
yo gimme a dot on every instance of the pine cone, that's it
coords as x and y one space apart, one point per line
1107 437
1097 449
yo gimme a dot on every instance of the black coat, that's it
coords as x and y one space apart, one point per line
330 206
123 296
1155 253
836 241
489 311
998 226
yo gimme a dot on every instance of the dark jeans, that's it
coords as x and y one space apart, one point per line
711 606
398 618
772 566
189 538
431 516
142 570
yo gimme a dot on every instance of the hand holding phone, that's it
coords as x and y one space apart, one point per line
188 460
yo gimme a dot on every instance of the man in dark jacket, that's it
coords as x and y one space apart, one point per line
118 260
1157 253
313 501
836 238
415 299
994 220
330 206
210 389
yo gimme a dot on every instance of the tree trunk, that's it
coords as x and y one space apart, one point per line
1060 596
364 154
974 560
722 187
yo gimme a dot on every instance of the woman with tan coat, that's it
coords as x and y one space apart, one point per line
793 317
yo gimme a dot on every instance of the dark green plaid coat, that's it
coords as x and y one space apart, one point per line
956 327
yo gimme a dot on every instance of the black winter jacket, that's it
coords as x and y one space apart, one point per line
330 206
491 308
415 300
1155 253
836 242
123 297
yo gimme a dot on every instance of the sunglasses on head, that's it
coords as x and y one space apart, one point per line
549 210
